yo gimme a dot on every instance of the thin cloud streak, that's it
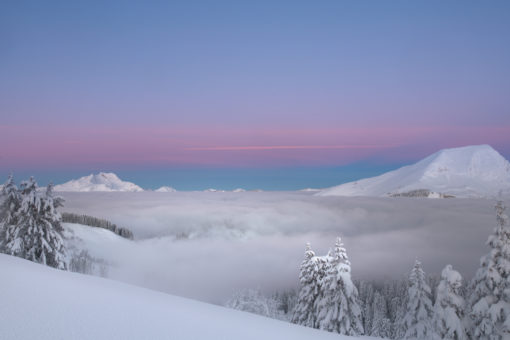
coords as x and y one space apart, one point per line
288 147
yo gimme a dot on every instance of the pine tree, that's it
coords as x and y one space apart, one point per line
338 309
419 312
37 234
398 305
449 306
490 300
304 311
252 301
381 325
366 294
8 208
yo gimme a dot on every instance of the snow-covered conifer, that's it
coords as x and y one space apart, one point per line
252 301
304 311
338 308
490 299
419 311
9 207
449 306
381 325
366 296
37 234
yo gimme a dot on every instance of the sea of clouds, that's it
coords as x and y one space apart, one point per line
205 245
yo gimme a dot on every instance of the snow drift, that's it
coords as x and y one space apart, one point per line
471 171
103 181
39 302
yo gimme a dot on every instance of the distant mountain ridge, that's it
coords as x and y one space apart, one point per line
471 171
165 189
103 181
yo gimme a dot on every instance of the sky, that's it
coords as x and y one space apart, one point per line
260 94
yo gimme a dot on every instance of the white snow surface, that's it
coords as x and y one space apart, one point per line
471 171
103 181
165 189
39 302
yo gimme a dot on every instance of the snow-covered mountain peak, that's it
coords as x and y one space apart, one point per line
103 181
471 171
165 189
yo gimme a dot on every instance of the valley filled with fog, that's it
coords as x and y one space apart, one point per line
206 245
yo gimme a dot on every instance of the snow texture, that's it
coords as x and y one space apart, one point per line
103 181
64 305
471 171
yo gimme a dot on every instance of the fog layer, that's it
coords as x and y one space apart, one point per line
204 245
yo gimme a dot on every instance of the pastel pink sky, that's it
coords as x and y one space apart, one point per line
93 85
158 146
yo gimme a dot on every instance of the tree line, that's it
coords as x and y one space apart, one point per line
96 222
329 300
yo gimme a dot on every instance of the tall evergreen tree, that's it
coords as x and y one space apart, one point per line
9 207
304 311
338 309
37 234
490 299
449 306
419 312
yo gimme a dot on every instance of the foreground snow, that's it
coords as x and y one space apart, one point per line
43 303
471 171
103 181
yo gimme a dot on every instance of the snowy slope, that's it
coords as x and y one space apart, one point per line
471 171
165 189
103 181
43 303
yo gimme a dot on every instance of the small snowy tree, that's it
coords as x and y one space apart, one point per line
381 325
252 301
338 309
490 299
366 296
449 306
37 234
9 207
419 312
310 276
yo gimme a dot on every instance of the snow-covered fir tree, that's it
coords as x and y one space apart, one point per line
304 312
366 296
398 305
10 205
338 309
449 306
252 301
490 298
381 325
419 311
37 234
